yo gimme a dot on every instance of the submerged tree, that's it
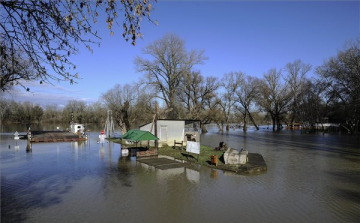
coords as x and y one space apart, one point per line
37 35
274 96
196 95
170 63
296 78
196 90
313 103
245 96
340 76
230 84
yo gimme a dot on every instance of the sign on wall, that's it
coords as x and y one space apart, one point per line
193 147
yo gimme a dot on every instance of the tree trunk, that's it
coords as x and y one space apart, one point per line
278 123
204 129
292 119
356 131
245 127
219 127
252 120
273 122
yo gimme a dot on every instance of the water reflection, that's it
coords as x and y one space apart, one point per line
310 178
214 174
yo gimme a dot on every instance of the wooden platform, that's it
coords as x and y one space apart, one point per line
162 163
54 136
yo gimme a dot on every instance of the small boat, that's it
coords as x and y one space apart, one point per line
77 128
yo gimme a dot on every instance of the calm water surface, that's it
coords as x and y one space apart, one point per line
310 178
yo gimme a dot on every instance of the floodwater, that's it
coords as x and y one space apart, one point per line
310 178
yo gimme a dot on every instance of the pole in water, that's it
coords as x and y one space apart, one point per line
28 146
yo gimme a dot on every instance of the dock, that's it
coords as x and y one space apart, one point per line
163 163
55 136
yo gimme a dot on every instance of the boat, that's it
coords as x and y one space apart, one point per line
77 128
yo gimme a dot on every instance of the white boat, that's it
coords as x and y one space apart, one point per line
77 128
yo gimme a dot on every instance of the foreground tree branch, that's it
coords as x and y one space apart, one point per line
36 36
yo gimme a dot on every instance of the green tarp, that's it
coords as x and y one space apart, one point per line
139 135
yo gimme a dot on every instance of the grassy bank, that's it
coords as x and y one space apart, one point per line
204 157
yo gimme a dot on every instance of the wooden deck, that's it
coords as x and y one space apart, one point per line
54 136
163 163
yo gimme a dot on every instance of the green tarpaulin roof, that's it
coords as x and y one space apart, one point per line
139 135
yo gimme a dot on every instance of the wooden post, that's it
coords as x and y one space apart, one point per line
28 146
155 120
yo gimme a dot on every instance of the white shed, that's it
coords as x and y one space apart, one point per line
170 130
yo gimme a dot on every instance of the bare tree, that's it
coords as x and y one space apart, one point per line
142 109
313 103
341 78
37 113
274 96
95 113
296 77
52 113
170 62
196 90
44 33
245 96
118 99
230 82
74 111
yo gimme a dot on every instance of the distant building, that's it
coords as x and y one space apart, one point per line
171 130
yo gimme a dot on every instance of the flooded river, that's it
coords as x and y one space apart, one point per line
310 178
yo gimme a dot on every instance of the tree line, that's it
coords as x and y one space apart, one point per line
172 88
38 36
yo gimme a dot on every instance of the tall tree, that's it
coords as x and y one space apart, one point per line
230 84
196 91
74 111
170 62
341 77
4 110
118 99
142 110
274 96
296 77
245 96
313 103
52 113
35 35
37 113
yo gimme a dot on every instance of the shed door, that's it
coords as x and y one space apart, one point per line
163 133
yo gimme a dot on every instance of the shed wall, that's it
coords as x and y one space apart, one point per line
167 131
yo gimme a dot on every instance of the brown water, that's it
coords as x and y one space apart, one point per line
310 178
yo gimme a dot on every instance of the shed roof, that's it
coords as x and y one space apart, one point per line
139 135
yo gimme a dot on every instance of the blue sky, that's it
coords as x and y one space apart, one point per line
252 37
